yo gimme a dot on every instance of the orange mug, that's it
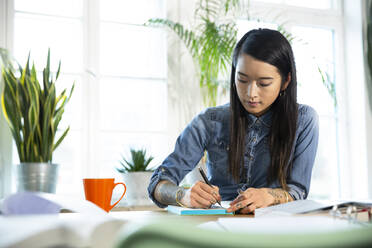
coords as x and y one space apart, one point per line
99 191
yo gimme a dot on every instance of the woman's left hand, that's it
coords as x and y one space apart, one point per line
247 201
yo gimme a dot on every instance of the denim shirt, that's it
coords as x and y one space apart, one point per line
210 131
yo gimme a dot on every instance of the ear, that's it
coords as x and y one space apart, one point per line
286 83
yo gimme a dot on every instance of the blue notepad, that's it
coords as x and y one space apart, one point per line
197 211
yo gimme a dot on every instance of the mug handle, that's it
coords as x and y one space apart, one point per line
125 190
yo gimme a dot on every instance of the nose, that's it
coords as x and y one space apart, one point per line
252 90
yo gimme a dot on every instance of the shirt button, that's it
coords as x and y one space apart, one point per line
251 158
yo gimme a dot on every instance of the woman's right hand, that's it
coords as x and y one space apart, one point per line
200 195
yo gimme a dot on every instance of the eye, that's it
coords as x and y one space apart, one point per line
264 84
242 81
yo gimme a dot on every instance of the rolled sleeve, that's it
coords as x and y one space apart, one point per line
189 149
159 174
304 154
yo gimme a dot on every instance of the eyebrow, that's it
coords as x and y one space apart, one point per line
245 75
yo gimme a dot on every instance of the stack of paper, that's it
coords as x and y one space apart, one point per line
214 210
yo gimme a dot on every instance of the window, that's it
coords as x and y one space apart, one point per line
315 4
120 72
315 45
317 50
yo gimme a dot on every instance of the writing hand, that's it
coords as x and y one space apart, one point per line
201 195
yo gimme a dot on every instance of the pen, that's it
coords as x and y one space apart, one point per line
207 182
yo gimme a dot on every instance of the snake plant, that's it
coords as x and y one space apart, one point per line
139 162
33 110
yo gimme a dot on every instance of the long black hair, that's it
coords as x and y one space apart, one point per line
271 47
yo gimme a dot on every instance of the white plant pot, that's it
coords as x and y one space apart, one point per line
137 183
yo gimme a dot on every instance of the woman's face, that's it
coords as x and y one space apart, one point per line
258 84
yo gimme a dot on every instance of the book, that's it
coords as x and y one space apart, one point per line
214 210
44 203
307 206
62 230
31 219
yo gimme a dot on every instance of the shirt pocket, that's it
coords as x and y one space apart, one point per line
218 156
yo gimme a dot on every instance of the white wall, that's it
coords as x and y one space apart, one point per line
184 98
6 167
355 79
368 102
369 146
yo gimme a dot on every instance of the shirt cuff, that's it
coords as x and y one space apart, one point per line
155 179
296 192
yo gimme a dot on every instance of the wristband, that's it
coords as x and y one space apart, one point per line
287 196
179 200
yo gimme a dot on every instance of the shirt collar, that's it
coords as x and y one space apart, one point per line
265 119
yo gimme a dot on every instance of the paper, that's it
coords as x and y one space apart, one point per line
294 207
44 203
305 206
285 224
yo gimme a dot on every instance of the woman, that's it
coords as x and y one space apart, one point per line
260 148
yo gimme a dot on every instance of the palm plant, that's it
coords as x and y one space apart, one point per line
329 84
32 112
5 59
139 162
210 43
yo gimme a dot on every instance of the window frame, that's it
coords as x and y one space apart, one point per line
338 19
329 19
90 127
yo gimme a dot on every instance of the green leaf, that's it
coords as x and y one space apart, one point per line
58 70
31 111
61 138
139 162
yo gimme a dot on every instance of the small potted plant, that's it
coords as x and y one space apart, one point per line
33 112
136 175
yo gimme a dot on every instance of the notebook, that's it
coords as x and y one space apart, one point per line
214 210
306 206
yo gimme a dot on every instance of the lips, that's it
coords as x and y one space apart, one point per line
253 104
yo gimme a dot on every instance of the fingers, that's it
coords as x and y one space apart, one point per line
247 201
213 191
248 209
239 205
216 193
203 196
199 202
237 199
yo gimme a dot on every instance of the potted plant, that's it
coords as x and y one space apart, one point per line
33 112
210 42
136 175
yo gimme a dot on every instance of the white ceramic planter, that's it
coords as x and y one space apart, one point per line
137 183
